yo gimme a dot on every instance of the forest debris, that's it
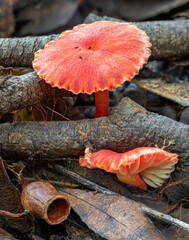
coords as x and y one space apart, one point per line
7 23
98 189
15 221
166 218
92 179
136 9
168 38
12 216
111 216
177 92
44 16
8 191
128 121
23 90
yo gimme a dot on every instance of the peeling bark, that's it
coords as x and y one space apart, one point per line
129 126
169 41
17 92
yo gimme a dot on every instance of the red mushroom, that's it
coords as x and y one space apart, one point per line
94 57
138 167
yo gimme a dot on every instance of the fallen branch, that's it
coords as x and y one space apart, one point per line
129 126
169 41
17 92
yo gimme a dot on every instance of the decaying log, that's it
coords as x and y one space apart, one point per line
129 126
17 92
169 40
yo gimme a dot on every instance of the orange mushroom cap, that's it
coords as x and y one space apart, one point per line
138 167
93 57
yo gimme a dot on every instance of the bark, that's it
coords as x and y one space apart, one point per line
17 52
169 41
129 126
17 92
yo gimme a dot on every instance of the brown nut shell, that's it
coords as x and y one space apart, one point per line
43 201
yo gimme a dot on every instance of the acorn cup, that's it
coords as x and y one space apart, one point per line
43 201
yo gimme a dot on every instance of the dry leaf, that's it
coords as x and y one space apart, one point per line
112 216
177 92
10 196
12 214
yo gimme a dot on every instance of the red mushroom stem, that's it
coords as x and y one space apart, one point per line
102 104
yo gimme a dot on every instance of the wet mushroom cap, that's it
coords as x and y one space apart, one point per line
93 57
139 166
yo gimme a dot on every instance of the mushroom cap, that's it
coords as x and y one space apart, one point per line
153 165
93 57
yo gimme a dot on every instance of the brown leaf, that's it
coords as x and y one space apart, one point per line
12 214
112 216
15 221
177 92
10 196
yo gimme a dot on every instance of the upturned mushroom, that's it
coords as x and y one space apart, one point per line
94 58
138 167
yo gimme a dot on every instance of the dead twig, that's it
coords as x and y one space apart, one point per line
82 180
166 218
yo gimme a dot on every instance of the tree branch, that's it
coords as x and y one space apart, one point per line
17 92
169 41
129 126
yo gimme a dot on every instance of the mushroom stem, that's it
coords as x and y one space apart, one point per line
102 104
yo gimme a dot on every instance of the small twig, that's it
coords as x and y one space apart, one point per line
173 184
82 180
52 182
169 210
166 218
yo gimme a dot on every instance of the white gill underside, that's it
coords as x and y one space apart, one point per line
156 176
